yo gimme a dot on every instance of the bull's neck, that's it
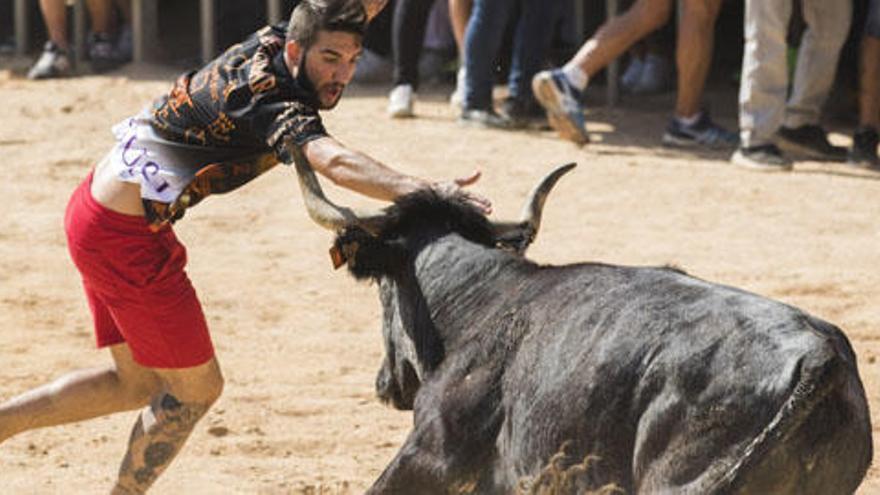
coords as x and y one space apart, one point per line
463 282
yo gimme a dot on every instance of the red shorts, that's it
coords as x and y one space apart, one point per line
136 285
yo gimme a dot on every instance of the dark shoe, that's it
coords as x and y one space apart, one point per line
765 157
53 62
810 141
102 52
486 119
524 114
864 148
703 133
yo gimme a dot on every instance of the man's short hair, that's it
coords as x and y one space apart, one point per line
311 16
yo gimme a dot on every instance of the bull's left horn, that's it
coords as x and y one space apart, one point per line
519 235
323 211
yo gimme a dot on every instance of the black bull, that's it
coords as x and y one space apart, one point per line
676 384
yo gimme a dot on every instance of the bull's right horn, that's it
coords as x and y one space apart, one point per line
323 211
519 235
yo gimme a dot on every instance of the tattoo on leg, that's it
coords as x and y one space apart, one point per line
157 436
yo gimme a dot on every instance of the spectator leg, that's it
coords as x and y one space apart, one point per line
534 33
55 16
619 33
827 29
696 37
482 41
101 15
869 83
764 79
459 14
407 38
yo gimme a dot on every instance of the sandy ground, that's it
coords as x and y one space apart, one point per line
300 343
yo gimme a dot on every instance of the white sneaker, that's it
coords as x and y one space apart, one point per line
456 99
656 75
400 101
632 74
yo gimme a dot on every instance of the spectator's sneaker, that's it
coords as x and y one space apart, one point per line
456 99
632 74
562 103
864 148
655 76
765 157
524 114
102 52
483 118
53 62
125 44
400 102
811 141
703 133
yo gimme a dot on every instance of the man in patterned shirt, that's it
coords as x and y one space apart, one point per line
219 127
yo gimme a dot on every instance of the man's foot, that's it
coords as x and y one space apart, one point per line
632 74
864 148
53 62
486 119
811 141
703 133
561 101
765 157
524 114
102 52
400 102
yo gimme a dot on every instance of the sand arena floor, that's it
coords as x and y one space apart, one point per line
300 343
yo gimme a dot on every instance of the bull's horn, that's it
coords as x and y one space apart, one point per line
323 211
519 235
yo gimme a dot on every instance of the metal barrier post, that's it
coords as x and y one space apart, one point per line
613 93
144 28
274 11
22 25
208 24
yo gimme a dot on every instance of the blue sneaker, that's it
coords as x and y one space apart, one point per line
561 101
704 133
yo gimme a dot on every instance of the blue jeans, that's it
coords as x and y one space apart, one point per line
483 36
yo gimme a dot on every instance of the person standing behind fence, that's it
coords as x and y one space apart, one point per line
104 54
559 90
768 119
483 38
407 39
863 152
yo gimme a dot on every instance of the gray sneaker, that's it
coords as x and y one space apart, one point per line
53 62
704 133
486 119
765 157
562 103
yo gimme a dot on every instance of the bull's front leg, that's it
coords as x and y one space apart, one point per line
452 444
417 467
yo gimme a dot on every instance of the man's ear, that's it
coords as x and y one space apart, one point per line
293 51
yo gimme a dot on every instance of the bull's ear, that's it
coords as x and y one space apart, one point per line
516 240
368 256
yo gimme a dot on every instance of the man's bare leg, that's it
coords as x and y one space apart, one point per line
459 13
55 16
869 83
81 395
102 15
619 33
163 427
696 37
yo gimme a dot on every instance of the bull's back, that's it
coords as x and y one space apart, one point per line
670 380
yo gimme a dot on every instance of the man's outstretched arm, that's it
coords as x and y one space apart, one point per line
357 171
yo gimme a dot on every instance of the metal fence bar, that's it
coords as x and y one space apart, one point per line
79 32
274 11
144 28
22 25
612 90
209 34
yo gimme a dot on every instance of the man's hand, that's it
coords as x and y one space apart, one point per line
456 187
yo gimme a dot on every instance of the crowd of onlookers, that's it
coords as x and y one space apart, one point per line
783 85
